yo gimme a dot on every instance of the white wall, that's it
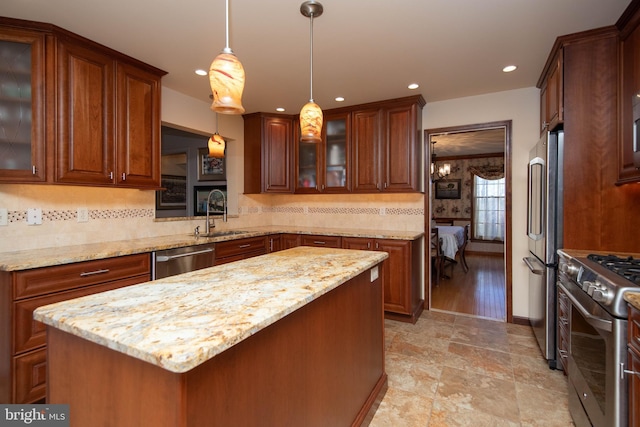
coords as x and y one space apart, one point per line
522 108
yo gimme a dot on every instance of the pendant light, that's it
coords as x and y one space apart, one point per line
311 113
216 143
226 77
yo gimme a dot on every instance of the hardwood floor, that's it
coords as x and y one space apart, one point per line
480 292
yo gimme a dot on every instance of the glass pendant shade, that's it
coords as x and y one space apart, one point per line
216 146
226 77
311 122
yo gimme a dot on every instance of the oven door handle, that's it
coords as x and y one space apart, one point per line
596 322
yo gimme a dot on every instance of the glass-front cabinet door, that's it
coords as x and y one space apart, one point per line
22 93
323 167
308 167
336 153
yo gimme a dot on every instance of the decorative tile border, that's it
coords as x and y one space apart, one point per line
71 215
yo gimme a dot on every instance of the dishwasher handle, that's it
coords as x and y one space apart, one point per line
165 258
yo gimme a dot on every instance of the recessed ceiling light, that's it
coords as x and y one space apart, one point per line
509 68
339 98
280 109
413 86
201 72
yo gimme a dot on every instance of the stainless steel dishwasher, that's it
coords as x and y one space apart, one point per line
182 260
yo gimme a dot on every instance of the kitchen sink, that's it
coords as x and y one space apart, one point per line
224 233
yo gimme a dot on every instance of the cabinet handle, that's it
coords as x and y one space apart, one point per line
368 245
626 371
244 246
317 242
385 185
124 176
34 169
270 245
93 273
111 176
377 245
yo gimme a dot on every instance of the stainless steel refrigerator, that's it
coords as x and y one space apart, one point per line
544 229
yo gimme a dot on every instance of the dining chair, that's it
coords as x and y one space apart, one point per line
436 255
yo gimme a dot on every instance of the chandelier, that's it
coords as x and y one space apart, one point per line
438 171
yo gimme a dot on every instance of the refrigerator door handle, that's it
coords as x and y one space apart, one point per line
533 269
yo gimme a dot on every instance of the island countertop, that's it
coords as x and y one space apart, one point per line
182 321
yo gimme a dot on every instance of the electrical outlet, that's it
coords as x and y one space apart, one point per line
34 216
374 274
83 214
4 216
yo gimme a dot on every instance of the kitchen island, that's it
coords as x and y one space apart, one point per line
295 337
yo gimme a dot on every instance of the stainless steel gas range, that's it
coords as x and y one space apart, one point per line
596 353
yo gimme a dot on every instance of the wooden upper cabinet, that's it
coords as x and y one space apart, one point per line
102 111
401 147
85 131
138 131
629 145
366 148
551 93
366 134
268 153
23 91
386 146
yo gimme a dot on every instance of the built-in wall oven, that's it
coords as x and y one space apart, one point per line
597 343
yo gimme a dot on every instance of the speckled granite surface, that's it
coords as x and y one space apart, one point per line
180 322
22 260
633 298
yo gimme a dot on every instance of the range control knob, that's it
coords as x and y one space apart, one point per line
602 294
589 286
569 269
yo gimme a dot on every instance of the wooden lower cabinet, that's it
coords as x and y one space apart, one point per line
563 328
401 280
23 341
634 365
235 250
321 241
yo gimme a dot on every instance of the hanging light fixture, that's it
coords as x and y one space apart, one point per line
216 143
311 113
226 77
438 172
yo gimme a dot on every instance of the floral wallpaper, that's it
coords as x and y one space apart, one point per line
460 208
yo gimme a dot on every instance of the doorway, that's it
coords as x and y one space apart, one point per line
442 146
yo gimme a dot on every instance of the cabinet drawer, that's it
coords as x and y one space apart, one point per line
30 377
30 333
634 329
241 246
57 278
322 241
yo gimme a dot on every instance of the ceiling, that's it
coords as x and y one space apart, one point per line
469 142
363 50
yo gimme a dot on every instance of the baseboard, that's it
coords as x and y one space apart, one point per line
521 321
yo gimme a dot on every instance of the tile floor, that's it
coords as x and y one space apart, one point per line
449 370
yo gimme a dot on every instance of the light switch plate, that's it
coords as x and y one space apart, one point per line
83 214
34 216
4 216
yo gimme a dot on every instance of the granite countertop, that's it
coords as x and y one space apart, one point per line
180 322
23 260
633 298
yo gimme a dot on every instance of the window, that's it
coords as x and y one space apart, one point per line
488 209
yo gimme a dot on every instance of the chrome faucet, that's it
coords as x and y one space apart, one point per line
208 226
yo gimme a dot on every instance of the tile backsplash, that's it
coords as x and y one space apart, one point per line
121 214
